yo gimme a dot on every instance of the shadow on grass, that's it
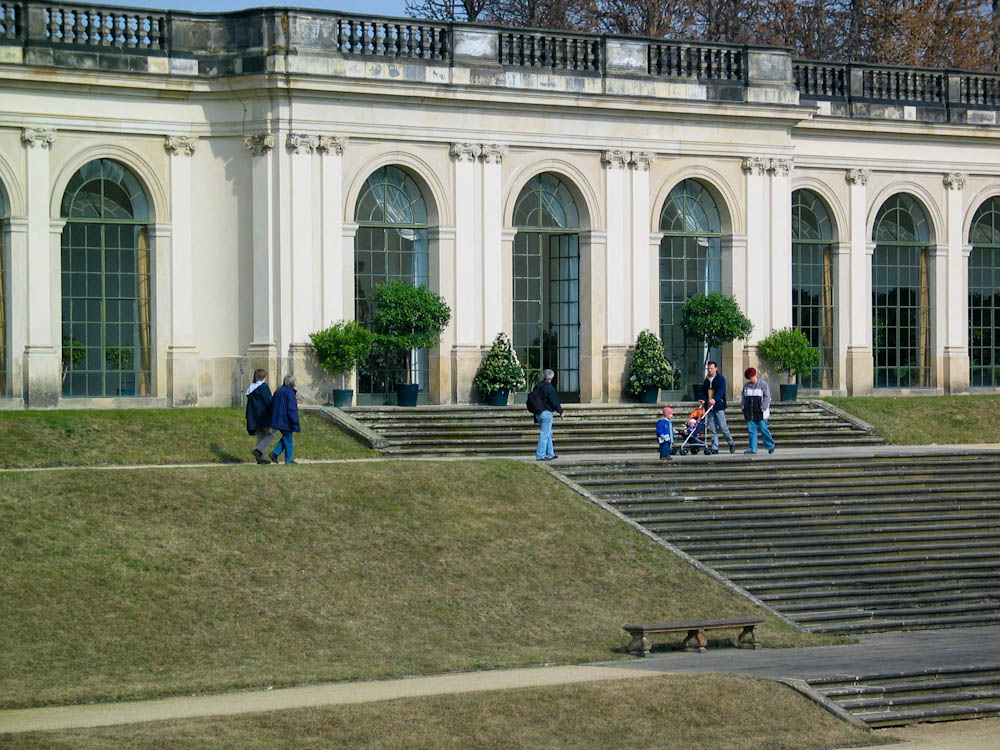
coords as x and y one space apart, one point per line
223 456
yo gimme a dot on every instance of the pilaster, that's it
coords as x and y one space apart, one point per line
462 286
645 260
492 243
263 348
955 308
592 314
442 269
182 354
859 360
334 303
301 148
781 244
16 244
756 291
42 383
841 311
617 260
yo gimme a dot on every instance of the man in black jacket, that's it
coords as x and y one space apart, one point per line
546 451
259 415
715 392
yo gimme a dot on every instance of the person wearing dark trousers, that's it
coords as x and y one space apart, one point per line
550 402
665 432
715 393
259 414
756 403
285 417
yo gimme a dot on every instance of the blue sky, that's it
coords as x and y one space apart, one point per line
375 7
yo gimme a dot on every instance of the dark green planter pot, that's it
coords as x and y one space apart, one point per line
498 398
343 398
406 394
649 396
789 391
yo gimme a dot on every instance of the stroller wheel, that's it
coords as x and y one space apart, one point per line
684 451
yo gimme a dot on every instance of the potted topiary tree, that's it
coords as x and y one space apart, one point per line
788 351
408 318
649 369
713 319
340 349
500 372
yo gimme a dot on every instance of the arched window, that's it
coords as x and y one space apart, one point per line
106 302
812 282
391 244
4 262
547 283
690 263
901 331
984 296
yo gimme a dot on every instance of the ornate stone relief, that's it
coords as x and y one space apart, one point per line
302 143
259 144
780 167
493 153
180 145
756 164
642 160
615 158
858 176
466 151
332 144
955 180
36 137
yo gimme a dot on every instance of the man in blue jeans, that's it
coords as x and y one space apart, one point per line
715 392
546 451
756 403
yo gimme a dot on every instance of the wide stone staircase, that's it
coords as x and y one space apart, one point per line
883 700
839 544
587 428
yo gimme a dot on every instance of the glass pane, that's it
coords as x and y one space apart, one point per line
690 209
546 203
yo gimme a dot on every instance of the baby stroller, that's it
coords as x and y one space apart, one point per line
694 437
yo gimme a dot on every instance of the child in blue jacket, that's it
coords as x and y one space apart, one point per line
665 432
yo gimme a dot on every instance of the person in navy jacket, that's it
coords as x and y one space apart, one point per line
285 417
259 414
715 393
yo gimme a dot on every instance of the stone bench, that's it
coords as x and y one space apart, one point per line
695 639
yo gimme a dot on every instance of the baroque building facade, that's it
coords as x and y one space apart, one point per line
186 197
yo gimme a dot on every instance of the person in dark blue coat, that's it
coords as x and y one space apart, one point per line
259 414
285 417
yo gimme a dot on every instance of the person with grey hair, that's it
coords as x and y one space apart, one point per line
259 414
285 418
546 404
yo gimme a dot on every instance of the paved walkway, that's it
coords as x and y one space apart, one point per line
886 652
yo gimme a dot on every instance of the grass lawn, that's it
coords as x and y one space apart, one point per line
689 712
928 420
151 436
134 583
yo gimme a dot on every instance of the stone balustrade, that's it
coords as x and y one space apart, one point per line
265 40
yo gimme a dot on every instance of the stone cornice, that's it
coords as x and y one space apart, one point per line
180 145
36 137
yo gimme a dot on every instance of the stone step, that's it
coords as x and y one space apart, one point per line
702 522
838 583
888 598
757 543
829 550
758 506
919 609
889 490
988 587
769 535
877 625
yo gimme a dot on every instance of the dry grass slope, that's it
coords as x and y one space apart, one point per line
929 420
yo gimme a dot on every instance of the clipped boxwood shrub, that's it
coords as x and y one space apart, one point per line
500 368
649 367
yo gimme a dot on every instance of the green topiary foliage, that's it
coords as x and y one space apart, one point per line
342 347
649 367
789 351
500 368
408 317
714 319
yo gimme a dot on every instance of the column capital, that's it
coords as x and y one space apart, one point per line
756 164
641 161
180 145
493 153
858 176
616 158
259 144
302 143
37 137
332 144
955 180
466 151
781 167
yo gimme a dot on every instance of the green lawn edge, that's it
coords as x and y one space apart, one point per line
928 420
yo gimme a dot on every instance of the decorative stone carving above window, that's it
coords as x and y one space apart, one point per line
259 144
955 180
858 176
616 158
781 167
180 145
38 137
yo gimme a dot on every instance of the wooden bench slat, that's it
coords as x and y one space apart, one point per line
703 625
